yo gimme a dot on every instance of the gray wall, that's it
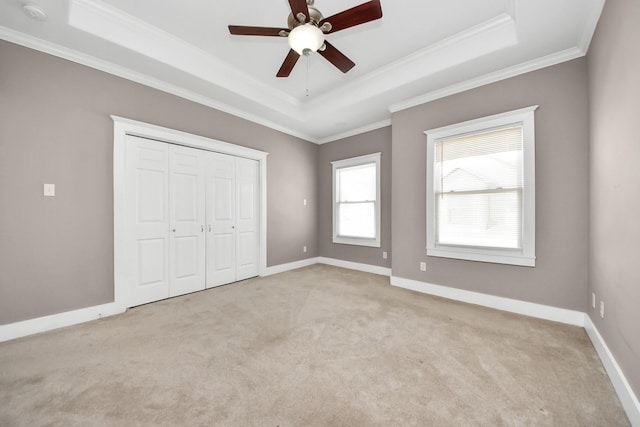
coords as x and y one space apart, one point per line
56 254
614 98
560 276
366 143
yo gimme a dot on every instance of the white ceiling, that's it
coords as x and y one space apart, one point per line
420 50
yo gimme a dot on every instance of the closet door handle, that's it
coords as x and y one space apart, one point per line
202 228
209 228
233 226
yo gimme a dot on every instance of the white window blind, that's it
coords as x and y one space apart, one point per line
356 218
479 191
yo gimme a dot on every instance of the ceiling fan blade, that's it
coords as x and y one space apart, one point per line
288 64
299 6
241 30
361 14
336 57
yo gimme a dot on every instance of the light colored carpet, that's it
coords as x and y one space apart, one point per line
319 346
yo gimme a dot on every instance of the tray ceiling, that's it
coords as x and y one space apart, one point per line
420 50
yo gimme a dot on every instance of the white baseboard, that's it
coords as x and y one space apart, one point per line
620 384
367 268
42 324
540 311
281 268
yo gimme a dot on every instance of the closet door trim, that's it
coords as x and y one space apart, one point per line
123 127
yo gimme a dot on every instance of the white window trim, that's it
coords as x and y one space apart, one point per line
357 161
525 256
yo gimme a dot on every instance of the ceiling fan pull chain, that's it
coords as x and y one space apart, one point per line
308 60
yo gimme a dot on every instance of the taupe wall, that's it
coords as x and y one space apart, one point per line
366 143
560 276
614 99
56 254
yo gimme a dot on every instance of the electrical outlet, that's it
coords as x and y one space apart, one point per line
602 309
304 249
304 202
423 266
384 255
593 299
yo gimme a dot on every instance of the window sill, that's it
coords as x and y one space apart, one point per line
357 242
483 256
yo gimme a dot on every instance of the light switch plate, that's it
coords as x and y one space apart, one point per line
49 190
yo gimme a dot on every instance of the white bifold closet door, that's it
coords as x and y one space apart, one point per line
247 240
232 218
147 220
166 214
191 218
187 220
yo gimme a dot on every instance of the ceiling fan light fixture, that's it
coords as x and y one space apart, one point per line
306 38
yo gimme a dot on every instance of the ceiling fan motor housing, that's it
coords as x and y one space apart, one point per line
314 18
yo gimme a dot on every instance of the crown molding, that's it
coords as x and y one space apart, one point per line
119 71
115 26
134 76
489 36
580 50
123 29
505 73
356 131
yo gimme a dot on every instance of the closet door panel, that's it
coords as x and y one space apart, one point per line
186 262
221 246
246 218
222 256
147 220
187 217
152 264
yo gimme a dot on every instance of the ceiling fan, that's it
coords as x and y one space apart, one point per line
307 28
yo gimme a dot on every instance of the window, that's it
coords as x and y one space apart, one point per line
356 201
481 189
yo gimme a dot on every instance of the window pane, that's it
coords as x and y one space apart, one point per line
480 219
479 180
500 170
357 220
357 183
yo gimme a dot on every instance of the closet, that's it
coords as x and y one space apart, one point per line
192 216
